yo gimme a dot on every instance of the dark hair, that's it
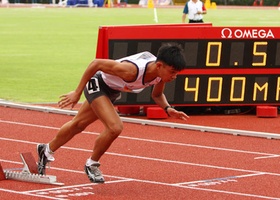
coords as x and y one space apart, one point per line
173 55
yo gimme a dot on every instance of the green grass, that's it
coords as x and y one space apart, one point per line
45 51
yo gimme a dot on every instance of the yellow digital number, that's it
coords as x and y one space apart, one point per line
278 89
214 89
259 54
194 89
234 91
211 55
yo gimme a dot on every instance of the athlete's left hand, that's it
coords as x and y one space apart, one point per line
177 114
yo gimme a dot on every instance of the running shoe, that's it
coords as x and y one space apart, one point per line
94 174
43 160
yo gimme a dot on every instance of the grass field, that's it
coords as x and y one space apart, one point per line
44 51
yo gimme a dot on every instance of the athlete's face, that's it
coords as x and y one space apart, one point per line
168 73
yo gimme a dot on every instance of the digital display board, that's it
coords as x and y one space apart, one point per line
225 65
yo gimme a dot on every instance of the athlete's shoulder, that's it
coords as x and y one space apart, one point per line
139 56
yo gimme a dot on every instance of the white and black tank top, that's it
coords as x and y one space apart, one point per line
141 61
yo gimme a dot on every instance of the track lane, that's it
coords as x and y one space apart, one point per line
148 156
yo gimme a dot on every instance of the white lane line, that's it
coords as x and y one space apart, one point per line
165 184
150 122
152 159
34 195
268 155
79 185
218 180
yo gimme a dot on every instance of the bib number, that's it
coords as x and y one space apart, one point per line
93 86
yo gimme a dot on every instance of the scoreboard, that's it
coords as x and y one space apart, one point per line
225 65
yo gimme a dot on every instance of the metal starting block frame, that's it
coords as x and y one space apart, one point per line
29 172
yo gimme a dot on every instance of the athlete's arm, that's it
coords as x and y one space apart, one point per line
160 99
125 70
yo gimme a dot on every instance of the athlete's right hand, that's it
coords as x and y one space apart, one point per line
71 98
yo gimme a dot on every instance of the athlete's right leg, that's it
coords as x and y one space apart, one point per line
84 117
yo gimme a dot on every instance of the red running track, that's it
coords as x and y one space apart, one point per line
147 162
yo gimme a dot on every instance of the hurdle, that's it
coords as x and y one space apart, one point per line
29 172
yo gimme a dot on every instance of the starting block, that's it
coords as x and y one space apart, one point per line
267 111
2 175
156 113
29 172
129 110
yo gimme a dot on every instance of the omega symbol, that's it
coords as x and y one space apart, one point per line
226 33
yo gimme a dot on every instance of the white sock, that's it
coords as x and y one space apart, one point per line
91 162
48 150
49 153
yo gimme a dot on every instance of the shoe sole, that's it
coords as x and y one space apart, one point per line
39 160
91 179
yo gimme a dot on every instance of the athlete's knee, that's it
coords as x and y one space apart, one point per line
78 126
115 129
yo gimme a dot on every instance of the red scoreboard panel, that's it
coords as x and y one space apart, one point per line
225 65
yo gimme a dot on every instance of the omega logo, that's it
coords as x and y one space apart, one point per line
246 33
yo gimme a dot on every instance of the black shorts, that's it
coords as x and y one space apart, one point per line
96 87
195 21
